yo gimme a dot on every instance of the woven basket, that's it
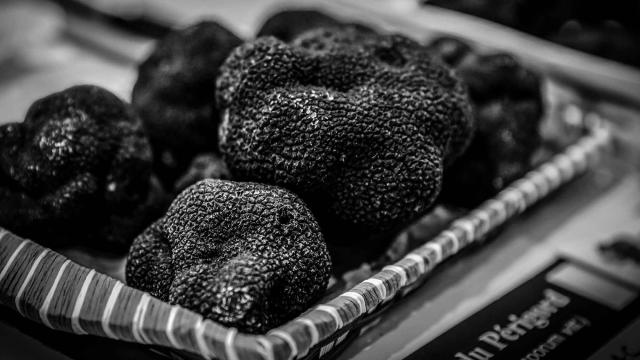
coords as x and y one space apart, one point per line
50 289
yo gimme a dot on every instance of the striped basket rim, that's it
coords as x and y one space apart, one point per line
50 289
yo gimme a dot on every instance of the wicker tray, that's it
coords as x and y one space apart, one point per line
48 288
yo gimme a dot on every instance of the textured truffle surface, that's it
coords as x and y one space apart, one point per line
358 124
246 255
77 171
175 93
286 25
507 104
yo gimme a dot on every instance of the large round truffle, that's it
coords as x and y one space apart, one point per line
77 171
175 93
358 124
507 104
247 255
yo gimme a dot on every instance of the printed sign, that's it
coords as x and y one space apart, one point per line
567 311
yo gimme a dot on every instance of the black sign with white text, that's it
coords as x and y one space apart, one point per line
567 311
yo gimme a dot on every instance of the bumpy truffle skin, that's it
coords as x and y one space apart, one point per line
286 25
358 124
507 103
246 255
175 93
77 171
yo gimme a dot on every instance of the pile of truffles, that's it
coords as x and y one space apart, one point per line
282 160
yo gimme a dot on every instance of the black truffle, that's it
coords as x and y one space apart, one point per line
175 93
246 255
286 25
507 104
77 171
358 124
203 166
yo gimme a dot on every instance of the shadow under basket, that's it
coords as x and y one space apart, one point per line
48 288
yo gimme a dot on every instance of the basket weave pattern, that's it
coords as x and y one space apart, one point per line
48 288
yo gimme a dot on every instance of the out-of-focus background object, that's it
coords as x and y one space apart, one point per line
605 28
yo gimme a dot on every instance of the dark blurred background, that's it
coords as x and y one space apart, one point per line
609 29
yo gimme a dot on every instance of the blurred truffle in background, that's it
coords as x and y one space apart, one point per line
287 24
508 107
175 97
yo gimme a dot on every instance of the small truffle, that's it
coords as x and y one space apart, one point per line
77 171
358 124
286 25
507 104
175 93
247 255
204 166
